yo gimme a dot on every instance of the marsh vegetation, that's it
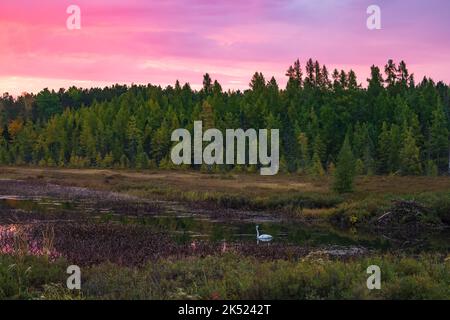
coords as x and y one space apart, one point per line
191 235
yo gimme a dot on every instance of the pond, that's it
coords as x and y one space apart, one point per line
185 226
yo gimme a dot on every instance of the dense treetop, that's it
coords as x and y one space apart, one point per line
394 125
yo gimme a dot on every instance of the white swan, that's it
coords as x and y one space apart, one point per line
262 237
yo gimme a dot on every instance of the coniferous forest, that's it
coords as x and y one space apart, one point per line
198 151
395 124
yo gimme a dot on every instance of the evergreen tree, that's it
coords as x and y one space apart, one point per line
124 162
207 116
375 82
108 160
295 75
98 126
207 84
391 73
134 140
319 148
431 168
409 155
395 144
316 166
439 137
384 147
304 151
345 169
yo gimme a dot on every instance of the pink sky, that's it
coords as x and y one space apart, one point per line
159 41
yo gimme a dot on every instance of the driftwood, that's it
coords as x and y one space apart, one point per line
403 213
384 215
406 224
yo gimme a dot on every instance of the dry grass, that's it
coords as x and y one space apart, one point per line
244 184
186 180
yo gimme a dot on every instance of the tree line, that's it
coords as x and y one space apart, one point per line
391 126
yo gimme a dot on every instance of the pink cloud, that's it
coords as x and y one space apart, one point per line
159 41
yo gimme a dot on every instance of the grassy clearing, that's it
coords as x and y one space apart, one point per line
287 202
247 184
231 277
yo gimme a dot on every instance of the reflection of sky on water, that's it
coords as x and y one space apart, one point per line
186 227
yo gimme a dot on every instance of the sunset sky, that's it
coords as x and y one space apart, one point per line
159 41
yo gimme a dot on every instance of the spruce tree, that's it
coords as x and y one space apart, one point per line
395 145
345 169
410 155
383 149
316 166
304 151
439 137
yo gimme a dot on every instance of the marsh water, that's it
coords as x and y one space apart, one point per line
186 226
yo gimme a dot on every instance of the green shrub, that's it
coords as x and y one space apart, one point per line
231 276
24 277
